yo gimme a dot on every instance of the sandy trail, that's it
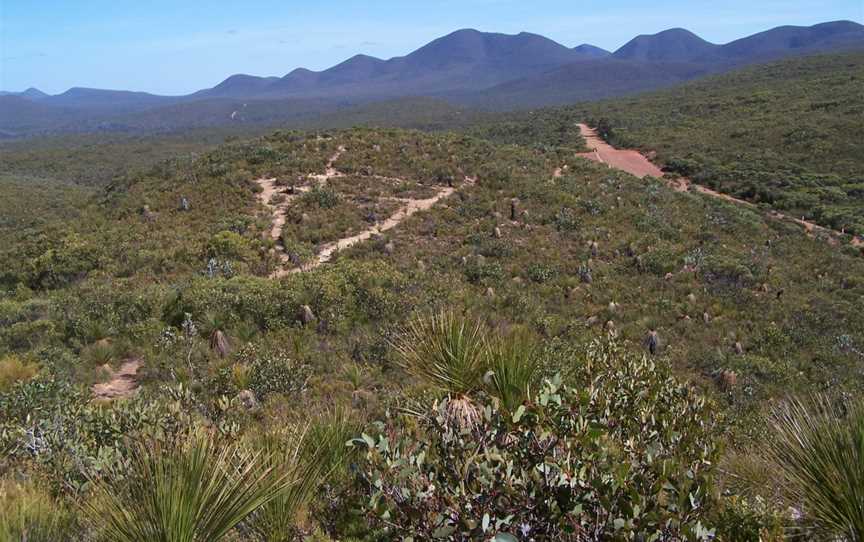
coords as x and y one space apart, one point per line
269 188
327 251
122 383
330 249
632 162
637 164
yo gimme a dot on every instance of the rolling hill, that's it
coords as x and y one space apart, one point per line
785 135
598 260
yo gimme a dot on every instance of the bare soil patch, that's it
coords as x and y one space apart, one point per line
122 382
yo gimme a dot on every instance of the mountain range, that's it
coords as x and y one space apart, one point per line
467 68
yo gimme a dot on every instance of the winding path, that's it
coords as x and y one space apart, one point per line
637 164
327 251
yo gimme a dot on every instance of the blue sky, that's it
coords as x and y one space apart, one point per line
179 46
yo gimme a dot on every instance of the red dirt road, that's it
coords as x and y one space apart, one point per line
633 162
638 165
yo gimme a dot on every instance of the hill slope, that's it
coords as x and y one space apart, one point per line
787 134
168 268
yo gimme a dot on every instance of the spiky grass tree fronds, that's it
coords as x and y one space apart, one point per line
277 519
450 353
819 449
308 460
195 492
446 351
327 440
514 369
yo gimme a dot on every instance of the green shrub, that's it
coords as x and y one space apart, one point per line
229 245
71 259
323 198
727 272
541 273
626 454
566 220
744 520
482 272
14 370
273 371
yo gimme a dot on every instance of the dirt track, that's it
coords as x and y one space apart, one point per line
632 162
637 164
328 250
122 383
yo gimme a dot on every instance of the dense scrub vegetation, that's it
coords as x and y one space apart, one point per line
713 310
787 135
97 159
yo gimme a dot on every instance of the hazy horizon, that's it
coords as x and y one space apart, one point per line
175 50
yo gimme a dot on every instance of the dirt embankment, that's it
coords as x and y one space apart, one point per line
637 164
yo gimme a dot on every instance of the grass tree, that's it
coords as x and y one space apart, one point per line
819 448
446 351
194 492
459 356
514 369
308 461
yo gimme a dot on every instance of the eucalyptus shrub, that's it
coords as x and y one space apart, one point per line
71 440
626 454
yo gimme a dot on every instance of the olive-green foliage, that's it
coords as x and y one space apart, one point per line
819 447
785 134
622 454
13 370
445 351
99 159
745 520
188 492
273 371
28 513
316 457
515 369
54 424
629 252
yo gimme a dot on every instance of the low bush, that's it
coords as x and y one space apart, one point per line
14 370
625 454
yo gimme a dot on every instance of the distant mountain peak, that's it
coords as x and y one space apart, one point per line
590 51
672 45
836 35
31 93
468 61
34 93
